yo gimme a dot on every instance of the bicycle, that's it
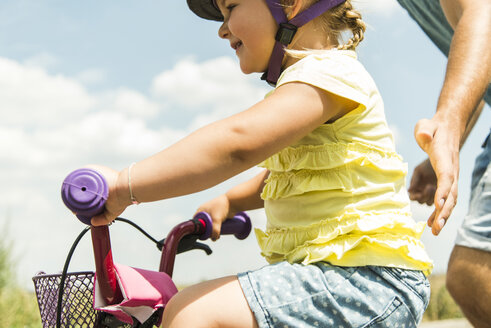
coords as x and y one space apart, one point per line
113 295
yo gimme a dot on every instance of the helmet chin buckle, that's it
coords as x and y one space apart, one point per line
285 33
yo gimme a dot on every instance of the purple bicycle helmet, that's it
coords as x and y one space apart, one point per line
208 9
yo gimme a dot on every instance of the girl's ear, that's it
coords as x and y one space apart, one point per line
294 9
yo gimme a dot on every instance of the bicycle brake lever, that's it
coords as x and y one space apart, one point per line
188 243
203 247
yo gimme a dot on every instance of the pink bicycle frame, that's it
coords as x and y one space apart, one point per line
105 271
200 226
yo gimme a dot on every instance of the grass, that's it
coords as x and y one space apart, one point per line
441 305
18 308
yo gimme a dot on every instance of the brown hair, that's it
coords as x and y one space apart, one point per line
337 20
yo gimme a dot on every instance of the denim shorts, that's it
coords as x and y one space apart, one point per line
475 231
430 17
322 295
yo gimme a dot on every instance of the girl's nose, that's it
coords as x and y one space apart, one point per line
223 31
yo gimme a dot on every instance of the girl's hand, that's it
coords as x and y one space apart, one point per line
117 200
219 210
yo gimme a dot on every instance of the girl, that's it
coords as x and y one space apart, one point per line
343 247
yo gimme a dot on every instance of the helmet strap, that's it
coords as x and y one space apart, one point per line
286 32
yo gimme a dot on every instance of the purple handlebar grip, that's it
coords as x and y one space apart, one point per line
84 192
240 225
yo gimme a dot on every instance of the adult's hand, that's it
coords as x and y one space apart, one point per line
441 142
423 183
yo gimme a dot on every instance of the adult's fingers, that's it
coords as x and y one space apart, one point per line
447 170
417 196
423 183
424 196
431 218
414 189
442 214
428 194
415 186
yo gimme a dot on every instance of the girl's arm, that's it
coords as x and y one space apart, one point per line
243 197
225 148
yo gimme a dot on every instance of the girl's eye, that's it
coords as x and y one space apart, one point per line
230 7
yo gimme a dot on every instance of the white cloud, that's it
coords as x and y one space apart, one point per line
53 119
217 82
51 124
92 76
31 97
130 102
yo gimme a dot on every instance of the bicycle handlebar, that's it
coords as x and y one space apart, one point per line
85 191
239 225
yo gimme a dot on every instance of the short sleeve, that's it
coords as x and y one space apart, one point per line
335 71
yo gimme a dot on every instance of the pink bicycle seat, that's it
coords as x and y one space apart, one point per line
144 292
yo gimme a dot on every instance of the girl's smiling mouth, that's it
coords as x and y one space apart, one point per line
236 45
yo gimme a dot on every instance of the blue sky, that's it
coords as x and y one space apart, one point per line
115 81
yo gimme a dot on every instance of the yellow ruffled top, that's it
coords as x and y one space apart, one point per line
339 195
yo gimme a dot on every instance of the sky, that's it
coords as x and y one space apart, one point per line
112 82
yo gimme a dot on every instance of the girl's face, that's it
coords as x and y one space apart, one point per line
250 28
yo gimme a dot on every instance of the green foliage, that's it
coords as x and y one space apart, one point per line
5 272
18 308
6 275
441 305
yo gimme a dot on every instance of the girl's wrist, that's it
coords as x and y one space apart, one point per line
232 208
123 188
133 199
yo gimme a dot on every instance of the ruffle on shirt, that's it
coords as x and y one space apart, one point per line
328 156
352 168
392 238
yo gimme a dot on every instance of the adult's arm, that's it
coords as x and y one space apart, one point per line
467 77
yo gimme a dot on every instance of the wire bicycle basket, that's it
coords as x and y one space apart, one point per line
76 305
66 299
